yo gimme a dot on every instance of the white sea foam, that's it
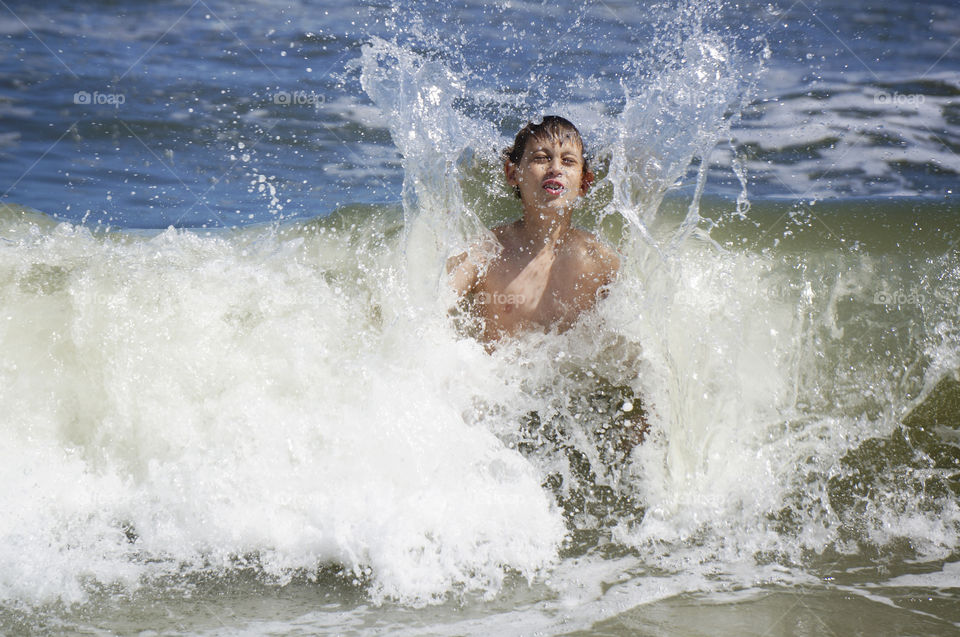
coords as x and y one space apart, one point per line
279 398
226 399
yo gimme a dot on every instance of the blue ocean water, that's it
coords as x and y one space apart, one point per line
235 398
157 115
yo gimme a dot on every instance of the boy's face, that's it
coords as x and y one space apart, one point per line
550 174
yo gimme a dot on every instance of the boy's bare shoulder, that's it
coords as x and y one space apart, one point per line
593 252
466 268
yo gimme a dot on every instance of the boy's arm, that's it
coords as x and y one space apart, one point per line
528 286
464 273
608 264
465 270
600 267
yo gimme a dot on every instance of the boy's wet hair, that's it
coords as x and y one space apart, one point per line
553 128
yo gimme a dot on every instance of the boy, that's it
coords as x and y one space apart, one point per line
547 273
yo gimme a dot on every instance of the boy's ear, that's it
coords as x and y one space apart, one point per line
586 181
510 172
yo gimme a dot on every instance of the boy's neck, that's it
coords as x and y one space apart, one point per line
543 228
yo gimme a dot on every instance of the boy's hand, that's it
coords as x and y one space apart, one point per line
464 273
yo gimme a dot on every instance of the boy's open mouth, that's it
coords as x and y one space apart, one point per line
554 186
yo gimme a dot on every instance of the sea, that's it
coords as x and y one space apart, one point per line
239 397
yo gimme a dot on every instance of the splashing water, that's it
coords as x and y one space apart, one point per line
753 439
279 400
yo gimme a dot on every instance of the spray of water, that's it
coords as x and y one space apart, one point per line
284 399
752 435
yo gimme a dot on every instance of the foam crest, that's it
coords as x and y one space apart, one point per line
188 402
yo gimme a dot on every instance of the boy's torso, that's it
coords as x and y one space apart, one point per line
575 277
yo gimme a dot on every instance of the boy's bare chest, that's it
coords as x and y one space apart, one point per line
562 286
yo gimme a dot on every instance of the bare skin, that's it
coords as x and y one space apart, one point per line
548 273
